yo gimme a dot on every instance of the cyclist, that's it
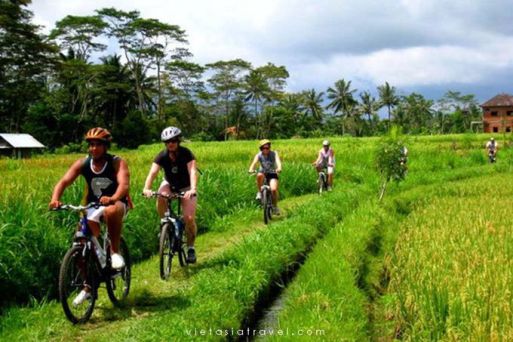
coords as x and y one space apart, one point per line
107 180
326 160
180 175
270 166
492 146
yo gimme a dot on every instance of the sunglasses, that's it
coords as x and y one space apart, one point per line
95 143
172 141
265 148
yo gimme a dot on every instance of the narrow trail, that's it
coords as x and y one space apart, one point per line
149 295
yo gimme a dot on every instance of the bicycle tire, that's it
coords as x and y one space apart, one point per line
182 256
181 250
321 183
269 205
265 205
118 281
71 282
165 251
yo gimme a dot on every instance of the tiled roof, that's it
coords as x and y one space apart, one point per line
21 140
501 100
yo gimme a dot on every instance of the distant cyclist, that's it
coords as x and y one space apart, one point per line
326 160
270 167
492 146
107 180
180 175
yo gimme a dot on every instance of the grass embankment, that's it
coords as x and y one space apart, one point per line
335 291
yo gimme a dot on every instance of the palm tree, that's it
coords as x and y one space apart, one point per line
256 89
388 97
113 92
312 103
369 106
342 100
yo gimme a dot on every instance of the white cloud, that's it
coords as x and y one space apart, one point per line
409 43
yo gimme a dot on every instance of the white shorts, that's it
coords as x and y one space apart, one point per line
96 214
165 183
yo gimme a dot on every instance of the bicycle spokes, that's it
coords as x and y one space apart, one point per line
77 274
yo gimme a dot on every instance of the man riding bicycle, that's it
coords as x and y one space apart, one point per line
180 175
270 166
326 160
107 180
492 146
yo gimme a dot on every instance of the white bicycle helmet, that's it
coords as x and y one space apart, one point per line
170 132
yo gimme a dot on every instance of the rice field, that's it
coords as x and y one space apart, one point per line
430 262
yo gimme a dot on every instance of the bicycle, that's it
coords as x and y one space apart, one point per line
171 240
266 200
87 264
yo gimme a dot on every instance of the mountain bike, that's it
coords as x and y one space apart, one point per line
87 264
171 237
266 199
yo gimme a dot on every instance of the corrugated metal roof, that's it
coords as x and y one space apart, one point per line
21 140
501 100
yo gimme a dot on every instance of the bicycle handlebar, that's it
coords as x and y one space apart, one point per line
254 172
172 195
72 207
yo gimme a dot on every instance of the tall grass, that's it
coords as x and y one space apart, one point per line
452 273
32 240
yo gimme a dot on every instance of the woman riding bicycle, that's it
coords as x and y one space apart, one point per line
180 175
326 160
270 166
108 180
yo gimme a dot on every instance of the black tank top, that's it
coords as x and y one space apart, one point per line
103 183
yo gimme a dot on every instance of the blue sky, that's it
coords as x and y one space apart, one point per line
428 46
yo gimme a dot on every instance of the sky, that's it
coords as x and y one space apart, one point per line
423 46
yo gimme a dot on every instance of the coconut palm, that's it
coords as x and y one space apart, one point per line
313 104
369 106
388 98
342 100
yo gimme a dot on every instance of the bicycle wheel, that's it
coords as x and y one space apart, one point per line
321 182
77 270
181 250
265 205
268 205
118 281
166 251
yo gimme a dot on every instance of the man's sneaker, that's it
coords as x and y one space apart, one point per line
117 262
258 196
276 211
191 256
81 297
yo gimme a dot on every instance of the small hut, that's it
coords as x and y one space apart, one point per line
18 145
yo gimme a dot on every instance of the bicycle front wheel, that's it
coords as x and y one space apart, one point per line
321 182
118 281
268 206
166 251
76 271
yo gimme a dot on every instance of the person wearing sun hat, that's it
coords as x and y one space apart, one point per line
270 167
